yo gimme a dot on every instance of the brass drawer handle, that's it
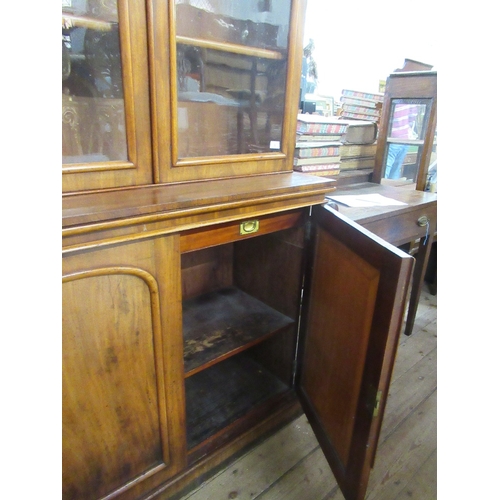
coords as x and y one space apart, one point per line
423 221
249 227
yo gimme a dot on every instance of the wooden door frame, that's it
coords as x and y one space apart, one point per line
394 268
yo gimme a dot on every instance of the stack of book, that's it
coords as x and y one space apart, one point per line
329 145
358 105
317 148
322 157
357 156
359 147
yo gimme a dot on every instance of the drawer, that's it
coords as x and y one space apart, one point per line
407 226
197 239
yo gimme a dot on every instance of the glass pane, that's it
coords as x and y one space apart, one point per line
231 76
93 120
402 161
408 120
254 23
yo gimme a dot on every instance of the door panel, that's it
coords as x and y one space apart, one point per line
123 430
338 358
109 382
354 303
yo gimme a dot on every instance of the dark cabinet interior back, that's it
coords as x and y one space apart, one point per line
232 371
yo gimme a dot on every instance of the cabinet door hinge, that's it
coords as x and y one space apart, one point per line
308 229
377 403
294 370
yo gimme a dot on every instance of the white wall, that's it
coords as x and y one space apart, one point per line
359 43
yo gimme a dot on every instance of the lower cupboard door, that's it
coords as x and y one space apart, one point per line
122 370
354 301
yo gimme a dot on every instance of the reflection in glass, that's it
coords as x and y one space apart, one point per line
407 127
407 121
231 74
256 23
402 161
93 121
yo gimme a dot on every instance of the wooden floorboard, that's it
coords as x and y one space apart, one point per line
423 484
309 478
403 452
255 472
408 391
290 464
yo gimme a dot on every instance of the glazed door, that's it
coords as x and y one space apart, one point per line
354 304
106 136
225 86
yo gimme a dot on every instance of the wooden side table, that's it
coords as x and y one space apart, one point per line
398 225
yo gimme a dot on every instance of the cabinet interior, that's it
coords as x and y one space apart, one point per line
241 305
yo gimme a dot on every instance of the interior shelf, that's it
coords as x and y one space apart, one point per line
219 324
225 392
231 47
70 20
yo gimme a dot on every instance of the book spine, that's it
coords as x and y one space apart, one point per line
356 150
363 95
359 102
315 168
318 160
359 116
320 128
359 163
325 173
361 110
316 152
320 138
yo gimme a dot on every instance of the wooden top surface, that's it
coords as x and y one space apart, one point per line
95 207
413 198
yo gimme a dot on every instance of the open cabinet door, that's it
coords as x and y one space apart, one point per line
354 301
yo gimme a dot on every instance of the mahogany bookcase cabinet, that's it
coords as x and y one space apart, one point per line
209 294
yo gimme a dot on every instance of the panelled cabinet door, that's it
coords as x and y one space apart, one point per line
106 137
354 305
122 370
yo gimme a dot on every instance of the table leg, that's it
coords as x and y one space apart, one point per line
421 261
